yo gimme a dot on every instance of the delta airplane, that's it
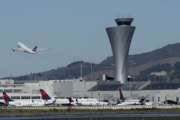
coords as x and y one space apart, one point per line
23 48
124 101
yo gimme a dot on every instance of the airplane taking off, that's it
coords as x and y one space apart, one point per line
23 48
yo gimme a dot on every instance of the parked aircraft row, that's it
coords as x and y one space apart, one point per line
48 100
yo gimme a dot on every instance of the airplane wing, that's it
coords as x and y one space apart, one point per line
23 46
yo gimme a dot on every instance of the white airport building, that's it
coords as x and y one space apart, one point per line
77 88
55 88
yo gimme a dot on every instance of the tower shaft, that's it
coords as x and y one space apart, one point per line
120 39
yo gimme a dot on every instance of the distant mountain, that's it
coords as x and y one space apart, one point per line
142 66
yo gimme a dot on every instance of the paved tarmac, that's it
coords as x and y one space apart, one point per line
104 116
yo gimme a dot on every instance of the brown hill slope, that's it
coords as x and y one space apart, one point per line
140 65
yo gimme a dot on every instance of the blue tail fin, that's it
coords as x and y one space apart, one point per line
34 49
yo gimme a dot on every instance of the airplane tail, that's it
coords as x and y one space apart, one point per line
6 98
35 49
14 50
142 100
44 95
121 96
70 100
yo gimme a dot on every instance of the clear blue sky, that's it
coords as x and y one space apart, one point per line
75 30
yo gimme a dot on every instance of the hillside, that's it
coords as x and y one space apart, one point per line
142 66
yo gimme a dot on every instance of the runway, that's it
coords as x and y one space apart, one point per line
104 116
109 107
92 113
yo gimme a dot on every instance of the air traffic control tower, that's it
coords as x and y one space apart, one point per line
120 38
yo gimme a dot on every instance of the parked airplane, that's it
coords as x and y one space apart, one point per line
47 99
90 102
124 101
23 48
79 101
9 102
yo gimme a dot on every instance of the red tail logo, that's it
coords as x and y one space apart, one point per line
6 98
44 95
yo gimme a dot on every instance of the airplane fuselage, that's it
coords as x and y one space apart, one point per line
130 102
31 102
23 48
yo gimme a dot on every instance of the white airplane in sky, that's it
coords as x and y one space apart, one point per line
23 48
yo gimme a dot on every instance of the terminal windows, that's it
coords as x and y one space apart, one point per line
25 97
17 90
8 90
35 97
15 97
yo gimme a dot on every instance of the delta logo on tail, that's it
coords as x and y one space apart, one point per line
47 99
6 98
44 95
